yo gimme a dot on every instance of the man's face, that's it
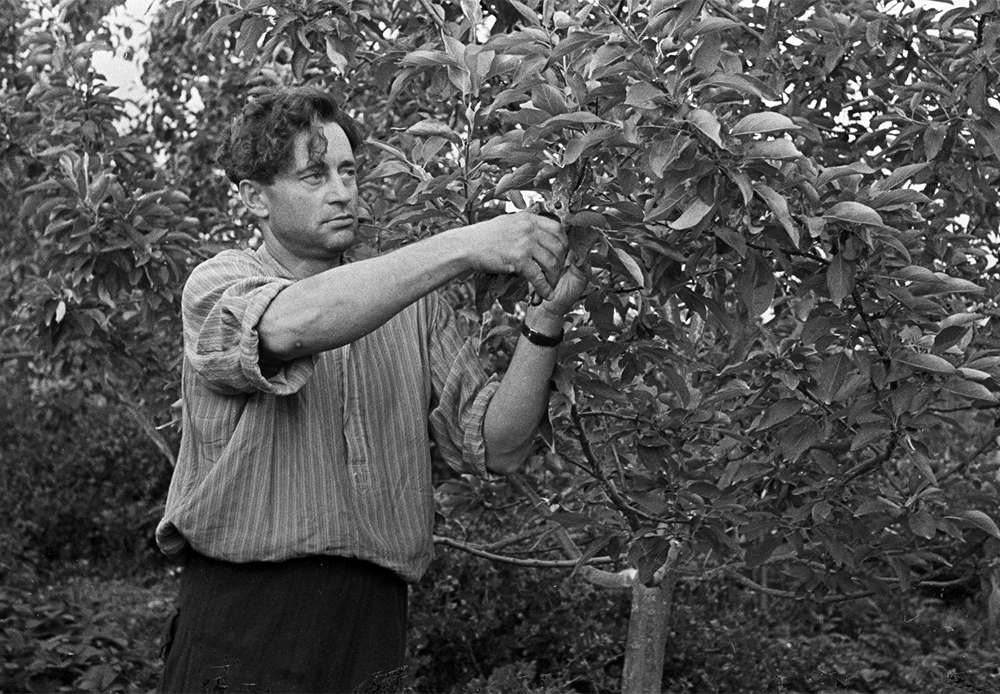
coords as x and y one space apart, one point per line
312 208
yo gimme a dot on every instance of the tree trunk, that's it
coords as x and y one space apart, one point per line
991 586
648 626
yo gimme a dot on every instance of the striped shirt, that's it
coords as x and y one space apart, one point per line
323 455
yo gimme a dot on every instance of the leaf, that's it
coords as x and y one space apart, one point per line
868 434
969 389
643 95
251 30
574 119
742 182
978 519
832 375
934 136
960 319
763 122
631 266
525 11
779 206
433 128
587 218
756 284
424 58
549 99
663 153
840 278
922 525
389 167
707 123
924 362
744 84
517 179
800 435
992 137
903 173
834 172
779 412
988 362
773 149
855 213
697 211
760 552
923 465
876 505
949 336
915 273
578 146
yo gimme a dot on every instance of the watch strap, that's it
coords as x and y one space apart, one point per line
541 339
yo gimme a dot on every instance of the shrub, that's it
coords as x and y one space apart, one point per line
80 481
477 626
83 636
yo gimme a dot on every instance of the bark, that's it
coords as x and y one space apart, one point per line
648 627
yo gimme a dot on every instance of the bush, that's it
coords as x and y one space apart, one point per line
477 626
83 636
81 482
727 640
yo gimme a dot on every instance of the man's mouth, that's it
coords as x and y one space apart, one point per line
343 220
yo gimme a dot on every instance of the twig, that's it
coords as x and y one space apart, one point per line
623 507
429 8
506 559
729 15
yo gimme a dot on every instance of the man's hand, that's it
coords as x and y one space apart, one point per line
570 287
524 244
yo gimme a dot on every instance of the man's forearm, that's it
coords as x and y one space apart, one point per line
343 304
517 407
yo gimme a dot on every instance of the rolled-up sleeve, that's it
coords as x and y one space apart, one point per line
222 303
462 392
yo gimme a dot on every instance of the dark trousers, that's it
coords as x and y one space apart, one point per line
317 624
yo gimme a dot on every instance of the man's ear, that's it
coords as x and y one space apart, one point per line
253 196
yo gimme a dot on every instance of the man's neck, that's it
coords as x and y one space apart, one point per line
295 266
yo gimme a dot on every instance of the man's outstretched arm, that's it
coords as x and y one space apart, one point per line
341 305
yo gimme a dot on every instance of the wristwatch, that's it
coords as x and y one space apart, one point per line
540 339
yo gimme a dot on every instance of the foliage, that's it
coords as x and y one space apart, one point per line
474 626
80 481
787 355
724 639
81 637
727 640
98 241
788 358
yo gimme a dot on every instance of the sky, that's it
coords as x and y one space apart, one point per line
120 72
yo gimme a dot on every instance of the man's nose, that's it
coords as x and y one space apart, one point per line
337 190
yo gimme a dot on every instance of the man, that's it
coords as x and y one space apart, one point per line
302 499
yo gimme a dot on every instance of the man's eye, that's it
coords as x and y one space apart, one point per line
313 178
348 173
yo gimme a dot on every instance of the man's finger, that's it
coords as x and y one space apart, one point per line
537 279
551 265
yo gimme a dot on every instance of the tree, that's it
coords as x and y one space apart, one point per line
786 371
98 240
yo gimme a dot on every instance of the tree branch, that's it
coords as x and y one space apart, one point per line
429 8
627 512
517 561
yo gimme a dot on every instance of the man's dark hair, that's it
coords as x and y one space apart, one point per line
259 142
